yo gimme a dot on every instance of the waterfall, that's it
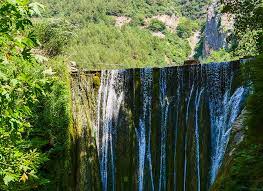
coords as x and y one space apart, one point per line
164 105
145 120
186 137
166 129
178 96
222 125
224 109
197 105
109 102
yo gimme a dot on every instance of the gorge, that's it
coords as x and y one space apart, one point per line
155 128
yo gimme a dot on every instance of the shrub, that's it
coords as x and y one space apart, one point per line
137 20
156 26
186 27
53 35
219 56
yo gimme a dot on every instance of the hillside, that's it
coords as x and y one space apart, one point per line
120 34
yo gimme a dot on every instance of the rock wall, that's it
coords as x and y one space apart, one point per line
218 27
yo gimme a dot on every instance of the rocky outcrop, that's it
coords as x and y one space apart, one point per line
191 62
121 21
193 41
171 22
217 29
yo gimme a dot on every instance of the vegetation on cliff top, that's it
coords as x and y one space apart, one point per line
247 37
100 46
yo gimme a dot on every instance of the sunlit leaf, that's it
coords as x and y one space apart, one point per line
9 178
24 177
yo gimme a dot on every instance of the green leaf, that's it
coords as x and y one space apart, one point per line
14 82
9 178
3 76
36 8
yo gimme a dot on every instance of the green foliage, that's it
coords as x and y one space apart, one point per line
54 35
16 38
245 170
27 111
186 27
255 104
247 44
156 26
219 56
177 49
19 94
100 46
34 124
138 20
95 11
194 9
119 49
248 25
85 31
53 125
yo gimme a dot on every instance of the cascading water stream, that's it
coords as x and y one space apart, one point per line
224 109
197 105
186 137
224 123
145 120
178 96
110 99
175 123
164 104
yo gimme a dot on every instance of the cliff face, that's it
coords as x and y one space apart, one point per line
85 159
218 27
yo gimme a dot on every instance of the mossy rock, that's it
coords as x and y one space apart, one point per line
96 81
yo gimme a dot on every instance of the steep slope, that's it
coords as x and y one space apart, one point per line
146 30
217 29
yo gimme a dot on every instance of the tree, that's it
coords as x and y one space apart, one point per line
16 37
248 19
19 92
186 27
156 26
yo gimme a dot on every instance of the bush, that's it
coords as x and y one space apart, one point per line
34 111
186 27
255 104
53 35
138 20
219 56
156 26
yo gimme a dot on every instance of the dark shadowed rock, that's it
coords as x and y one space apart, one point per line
191 62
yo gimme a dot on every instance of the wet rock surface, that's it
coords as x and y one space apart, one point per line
159 128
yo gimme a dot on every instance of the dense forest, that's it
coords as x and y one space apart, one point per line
40 38
64 25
